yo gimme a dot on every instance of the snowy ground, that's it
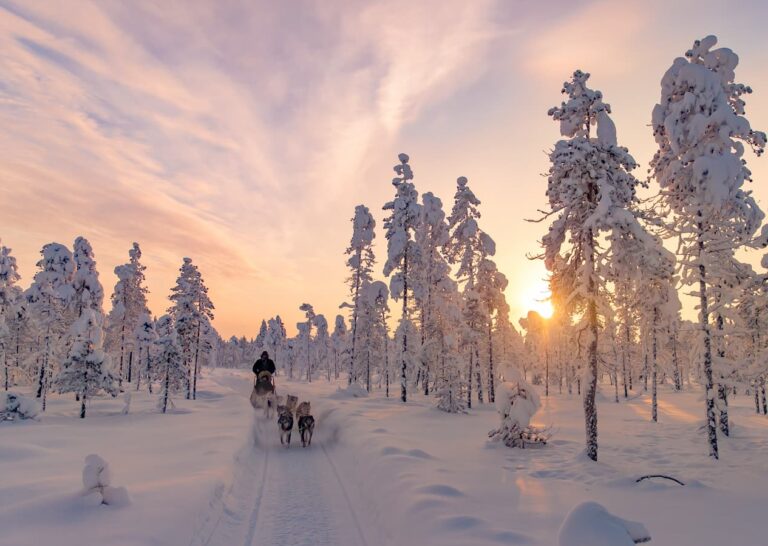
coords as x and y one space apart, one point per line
378 473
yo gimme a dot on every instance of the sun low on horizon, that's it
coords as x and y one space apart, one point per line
213 142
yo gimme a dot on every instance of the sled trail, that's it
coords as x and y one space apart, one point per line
283 496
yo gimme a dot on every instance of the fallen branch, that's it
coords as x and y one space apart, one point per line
649 476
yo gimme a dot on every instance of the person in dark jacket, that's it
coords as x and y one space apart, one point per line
264 364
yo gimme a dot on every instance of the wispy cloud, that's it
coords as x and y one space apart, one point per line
214 130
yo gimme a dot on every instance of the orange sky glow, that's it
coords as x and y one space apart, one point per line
243 134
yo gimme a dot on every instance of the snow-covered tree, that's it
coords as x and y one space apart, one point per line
372 332
322 341
339 344
517 404
589 190
146 336
261 338
306 335
88 292
491 284
466 246
48 299
10 295
192 311
360 263
86 370
276 341
433 272
402 250
701 131
129 304
169 366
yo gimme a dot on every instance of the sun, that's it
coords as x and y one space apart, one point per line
537 299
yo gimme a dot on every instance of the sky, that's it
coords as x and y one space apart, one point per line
243 133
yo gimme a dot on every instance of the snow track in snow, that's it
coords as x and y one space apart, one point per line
282 497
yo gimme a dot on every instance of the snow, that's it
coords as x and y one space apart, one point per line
379 472
590 524
15 405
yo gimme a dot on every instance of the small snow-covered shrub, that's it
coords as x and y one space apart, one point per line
590 524
353 390
517 402
97 484
449 393
15 406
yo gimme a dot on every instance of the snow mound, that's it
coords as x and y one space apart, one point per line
97 484
590 524
352 391
15 406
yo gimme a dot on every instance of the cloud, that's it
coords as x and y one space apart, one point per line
223 131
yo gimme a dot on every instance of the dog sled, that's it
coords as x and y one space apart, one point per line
263 393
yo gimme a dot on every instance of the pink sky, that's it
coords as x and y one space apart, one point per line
242 134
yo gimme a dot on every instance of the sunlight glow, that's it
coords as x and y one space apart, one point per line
537 299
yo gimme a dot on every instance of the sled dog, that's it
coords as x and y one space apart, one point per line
285 423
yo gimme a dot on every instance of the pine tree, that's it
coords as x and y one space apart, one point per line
192 311
465 246
261 337
339 344
88 292
146 336
306 335
402 249
433 271
86 370
322 341
491 284
169 369
48 299
589 189
360 262
129 304
10 296
701 131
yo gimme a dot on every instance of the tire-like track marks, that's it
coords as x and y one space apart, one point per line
350 506
253 520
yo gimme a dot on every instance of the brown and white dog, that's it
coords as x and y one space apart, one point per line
285 423
306 423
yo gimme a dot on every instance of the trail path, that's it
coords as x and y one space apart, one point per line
283 497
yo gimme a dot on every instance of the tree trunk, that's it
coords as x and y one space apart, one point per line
197 356
403 364
149 371
469 379
590 408
707 364
722 395
122 354
354 318
167 386
654 389
478 375
676 361
491 378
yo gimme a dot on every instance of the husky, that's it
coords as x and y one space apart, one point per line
285 422
306 423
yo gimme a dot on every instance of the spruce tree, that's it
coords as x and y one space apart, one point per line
701 131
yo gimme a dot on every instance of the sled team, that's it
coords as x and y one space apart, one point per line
263 396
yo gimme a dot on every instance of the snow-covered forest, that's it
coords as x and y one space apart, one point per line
656 314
